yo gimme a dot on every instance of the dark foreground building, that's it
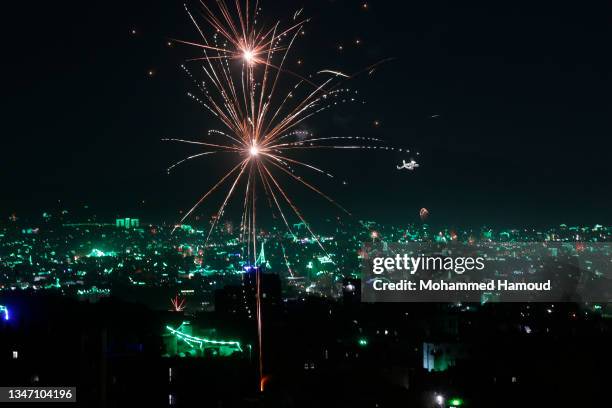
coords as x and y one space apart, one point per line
317 352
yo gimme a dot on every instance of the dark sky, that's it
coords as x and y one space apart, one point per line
522 90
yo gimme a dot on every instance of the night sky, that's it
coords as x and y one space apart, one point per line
507 102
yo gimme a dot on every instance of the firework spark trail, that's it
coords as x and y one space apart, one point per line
243 223
358 147
284 159
202 144
313 188
294 208
336 73
194 156
269 190
209 192
301 142
272 202
218 132
227 197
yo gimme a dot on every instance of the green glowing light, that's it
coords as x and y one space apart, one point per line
363 342
93 291
201 341
187 228
456 402
127 222
324 259
96 253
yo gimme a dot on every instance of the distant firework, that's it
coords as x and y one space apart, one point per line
424 214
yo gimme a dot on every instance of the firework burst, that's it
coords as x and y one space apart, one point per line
260 120
241 64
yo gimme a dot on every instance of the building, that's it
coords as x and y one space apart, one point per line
127 222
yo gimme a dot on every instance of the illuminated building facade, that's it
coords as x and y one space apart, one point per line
127 222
